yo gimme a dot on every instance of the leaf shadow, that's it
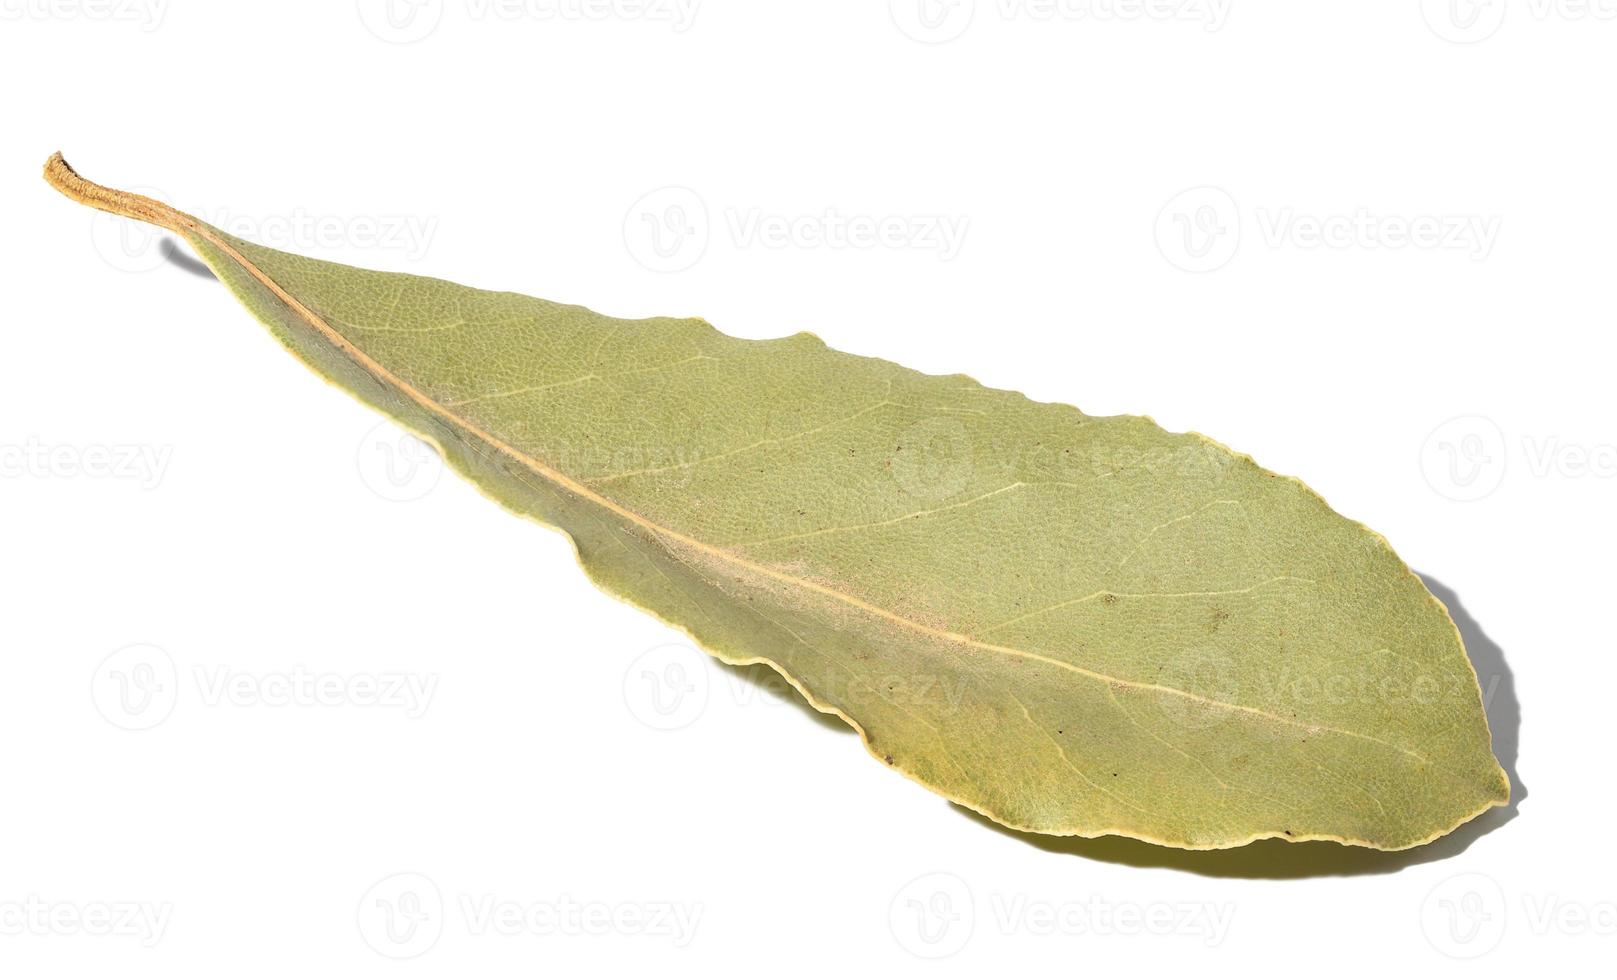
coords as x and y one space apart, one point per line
1311 859
172 254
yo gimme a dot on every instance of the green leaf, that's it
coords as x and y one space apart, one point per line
1072 624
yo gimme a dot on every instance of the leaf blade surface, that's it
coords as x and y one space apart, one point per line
1072 624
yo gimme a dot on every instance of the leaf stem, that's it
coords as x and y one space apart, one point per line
61 175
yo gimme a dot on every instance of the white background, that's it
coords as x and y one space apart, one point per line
1400 214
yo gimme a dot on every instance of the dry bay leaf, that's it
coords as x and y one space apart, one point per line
1072 624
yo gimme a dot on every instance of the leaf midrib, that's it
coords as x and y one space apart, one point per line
156 212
